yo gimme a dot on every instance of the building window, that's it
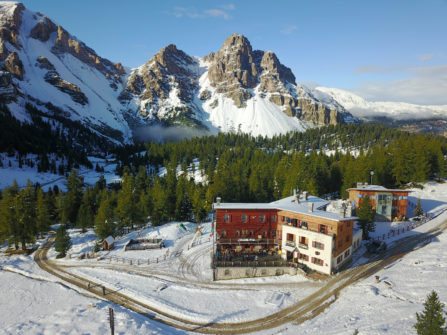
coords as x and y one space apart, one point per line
317 261
261 218
290 237
323 229
318 245
303 225
303 257
244 218
273 219
339 259
227 218
347 253
223 233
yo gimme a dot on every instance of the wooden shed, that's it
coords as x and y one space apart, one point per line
108 243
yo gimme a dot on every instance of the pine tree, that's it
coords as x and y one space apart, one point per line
42 212
62 242
73 197
104 220
159 201
431 321
365 213
8 217
126 209
26 215
418 211
85 213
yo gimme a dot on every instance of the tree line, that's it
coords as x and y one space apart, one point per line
235 167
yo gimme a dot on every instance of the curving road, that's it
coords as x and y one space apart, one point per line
304 310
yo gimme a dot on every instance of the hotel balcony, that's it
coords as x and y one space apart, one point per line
291 244
305 228
303 246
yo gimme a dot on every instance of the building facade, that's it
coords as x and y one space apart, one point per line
298 228
391 204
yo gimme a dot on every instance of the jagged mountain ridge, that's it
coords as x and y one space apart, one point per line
234 89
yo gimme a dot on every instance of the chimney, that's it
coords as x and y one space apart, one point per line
296 195
305 195
349 209
310 206
218 201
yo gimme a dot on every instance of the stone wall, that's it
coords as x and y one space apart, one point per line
222 273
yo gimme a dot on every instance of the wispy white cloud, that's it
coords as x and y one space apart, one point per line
223 12
289 29
216 12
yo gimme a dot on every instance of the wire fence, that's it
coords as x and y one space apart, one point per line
139 261
406 226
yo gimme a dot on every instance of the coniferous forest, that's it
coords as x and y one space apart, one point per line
237 167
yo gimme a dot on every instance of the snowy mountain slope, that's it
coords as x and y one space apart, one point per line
235 89
50 66
363 108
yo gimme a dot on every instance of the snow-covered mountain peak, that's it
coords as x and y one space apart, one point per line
363 108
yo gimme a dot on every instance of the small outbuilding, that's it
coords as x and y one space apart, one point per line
108 243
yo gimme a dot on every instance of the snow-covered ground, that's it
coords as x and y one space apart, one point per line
387 307
34 302
46 179
182 286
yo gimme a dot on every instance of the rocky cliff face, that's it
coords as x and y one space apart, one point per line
235 88
42 65
175 86
165 87
236 69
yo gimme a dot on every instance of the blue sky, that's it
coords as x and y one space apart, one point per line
384 50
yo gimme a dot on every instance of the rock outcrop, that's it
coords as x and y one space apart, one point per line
14 65
166 85
52 77
65 43
236 70
43 30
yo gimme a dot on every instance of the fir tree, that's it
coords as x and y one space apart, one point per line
126 209
85 213
366 213
26 215
73 197
104 220
42 212
431 321
418 211
62 242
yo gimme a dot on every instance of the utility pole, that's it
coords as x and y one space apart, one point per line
112 321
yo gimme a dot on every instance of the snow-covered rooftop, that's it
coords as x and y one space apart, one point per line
377 188
303 206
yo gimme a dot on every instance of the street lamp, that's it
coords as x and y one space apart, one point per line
372 174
